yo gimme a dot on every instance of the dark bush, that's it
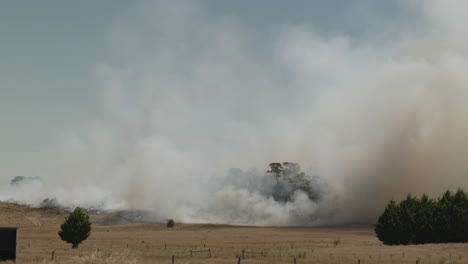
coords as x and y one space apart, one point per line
424 220
170 223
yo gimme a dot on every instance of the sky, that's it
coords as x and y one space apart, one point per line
178 107
50 50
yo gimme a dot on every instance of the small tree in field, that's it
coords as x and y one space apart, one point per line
76 227
170 223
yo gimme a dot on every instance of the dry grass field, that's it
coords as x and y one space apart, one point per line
154 243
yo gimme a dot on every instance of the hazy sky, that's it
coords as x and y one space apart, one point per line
150 104
49 52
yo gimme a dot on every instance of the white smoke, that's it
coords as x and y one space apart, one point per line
187 97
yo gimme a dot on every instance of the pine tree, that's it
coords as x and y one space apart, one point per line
388 224
424 220
76 227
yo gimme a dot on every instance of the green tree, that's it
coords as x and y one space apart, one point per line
424 220
289 179
406 229
443 218
452 217
170 223
277 169
76 227
424 214
388 224
459 218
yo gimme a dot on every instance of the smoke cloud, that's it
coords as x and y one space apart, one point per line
193 108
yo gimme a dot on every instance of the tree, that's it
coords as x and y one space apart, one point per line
76 227
277 169
424 220
442 218
452 217
407 220
290 179
387 226
170 223
424 214
459 219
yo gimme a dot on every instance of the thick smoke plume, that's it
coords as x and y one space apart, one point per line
193 108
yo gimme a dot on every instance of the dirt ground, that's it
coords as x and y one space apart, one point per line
38 242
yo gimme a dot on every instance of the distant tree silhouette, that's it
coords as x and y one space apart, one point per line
289 179
170 223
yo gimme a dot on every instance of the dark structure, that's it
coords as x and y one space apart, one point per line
8 243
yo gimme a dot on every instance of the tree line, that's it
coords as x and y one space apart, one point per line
419 220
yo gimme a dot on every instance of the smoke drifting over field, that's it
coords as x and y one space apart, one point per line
194 107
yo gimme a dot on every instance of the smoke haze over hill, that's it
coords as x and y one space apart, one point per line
194 106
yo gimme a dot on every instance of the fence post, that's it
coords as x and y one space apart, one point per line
238 260
165 245
359 261
53 253
172 259
210 251
294 260
243 256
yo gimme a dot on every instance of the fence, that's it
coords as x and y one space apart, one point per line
201 250
239 258
251 253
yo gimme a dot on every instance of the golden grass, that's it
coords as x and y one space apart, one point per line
154 243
